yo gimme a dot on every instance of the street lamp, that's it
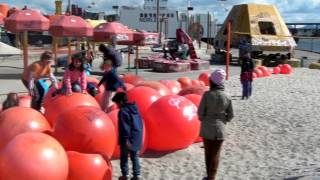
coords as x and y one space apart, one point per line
189 8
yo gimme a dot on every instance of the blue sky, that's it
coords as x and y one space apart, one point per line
291 10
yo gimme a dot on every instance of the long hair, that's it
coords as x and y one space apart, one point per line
11 101
71 66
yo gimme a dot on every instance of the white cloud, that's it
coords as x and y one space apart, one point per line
291 10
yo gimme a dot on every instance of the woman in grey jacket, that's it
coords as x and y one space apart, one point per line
214 112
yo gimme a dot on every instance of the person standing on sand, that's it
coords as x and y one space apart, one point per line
214 112
33 73
246 76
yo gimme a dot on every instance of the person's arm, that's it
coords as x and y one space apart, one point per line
53 80
202 107
83 79
104 78
229 112
67 81
118 79
125 125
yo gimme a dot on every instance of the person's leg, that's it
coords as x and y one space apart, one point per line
246 88
36 97
207 154
250 88
134 155
107 100
243 89
42 93
25 83
215 156
124 161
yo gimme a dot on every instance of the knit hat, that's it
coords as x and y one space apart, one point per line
218 77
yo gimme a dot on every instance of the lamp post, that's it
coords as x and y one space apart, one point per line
189 8
158 14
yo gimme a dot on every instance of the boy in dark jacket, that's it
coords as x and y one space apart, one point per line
130 135
112 82
246 75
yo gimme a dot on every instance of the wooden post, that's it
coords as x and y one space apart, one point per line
25 49
136 61
54 50
17 40
69 50
228 49
129 54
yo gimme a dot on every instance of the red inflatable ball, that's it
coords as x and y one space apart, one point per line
258 72
185 82
265 71
63 103
132 79
86 130
128 86
195 82
194 90
144 97
35 156
276 70
286 69
114 117
172 85
196 99
172 124
204 77
88 166
162 89
254 75
18 120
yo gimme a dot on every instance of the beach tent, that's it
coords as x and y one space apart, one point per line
260 25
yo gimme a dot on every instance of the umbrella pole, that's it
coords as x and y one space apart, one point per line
136 61
17 40
54 50
25 49
129 58
69 50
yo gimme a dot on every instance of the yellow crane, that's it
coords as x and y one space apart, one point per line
58 7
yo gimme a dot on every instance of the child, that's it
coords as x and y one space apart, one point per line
112 83
130 135
11 101
33 73
74 78
246 77
214 112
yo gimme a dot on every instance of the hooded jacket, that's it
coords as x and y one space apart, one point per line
130 126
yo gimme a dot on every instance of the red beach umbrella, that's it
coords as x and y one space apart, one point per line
106 31
145 38
70 26
24 21
1 19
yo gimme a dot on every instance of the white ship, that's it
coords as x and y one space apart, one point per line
145 18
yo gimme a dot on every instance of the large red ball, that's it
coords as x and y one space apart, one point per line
88 166
162 89
114 117
33 156
86 130
144 97
265 71
132 79
204 77
194 90
286 69
172 123
173 86
18 120
63 103
196 99
276 70
185 82
258 72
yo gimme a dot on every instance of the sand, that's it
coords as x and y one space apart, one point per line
274 135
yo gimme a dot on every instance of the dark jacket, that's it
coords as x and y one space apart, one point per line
112 81
114 56
130 126
247 65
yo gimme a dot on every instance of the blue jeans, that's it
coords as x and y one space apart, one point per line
134 156
246 88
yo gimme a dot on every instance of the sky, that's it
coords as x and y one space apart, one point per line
291 10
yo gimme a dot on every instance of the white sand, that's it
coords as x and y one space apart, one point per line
274 135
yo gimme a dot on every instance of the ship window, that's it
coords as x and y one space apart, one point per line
172 15
168 15
141 15
154 15
145 15
267 28
150 15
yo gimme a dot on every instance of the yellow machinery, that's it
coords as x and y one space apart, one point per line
58 7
